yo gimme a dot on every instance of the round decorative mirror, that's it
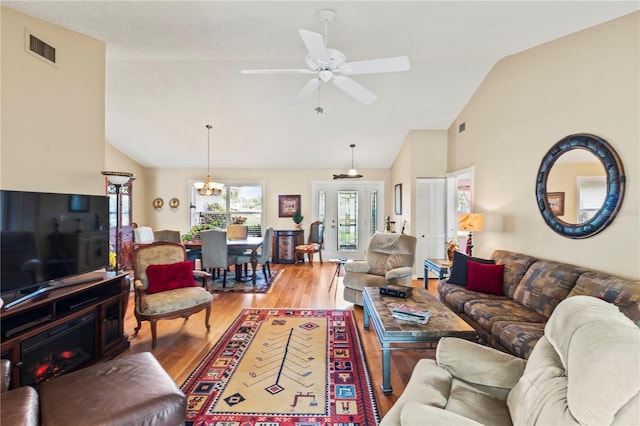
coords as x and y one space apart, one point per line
580 186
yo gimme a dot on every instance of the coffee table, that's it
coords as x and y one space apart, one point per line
395 334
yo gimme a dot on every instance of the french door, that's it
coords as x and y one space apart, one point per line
351 212
431 218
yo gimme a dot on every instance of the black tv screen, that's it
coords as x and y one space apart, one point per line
48 236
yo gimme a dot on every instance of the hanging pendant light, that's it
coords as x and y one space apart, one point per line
352 173
208 187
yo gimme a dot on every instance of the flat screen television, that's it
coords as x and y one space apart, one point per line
48 238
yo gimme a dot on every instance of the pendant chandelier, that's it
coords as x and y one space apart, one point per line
208 187
352 173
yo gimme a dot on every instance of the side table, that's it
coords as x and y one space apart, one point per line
440 267
339 263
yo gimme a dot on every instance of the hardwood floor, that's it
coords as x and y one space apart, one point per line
183 344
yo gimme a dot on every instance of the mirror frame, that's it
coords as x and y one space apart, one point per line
615 185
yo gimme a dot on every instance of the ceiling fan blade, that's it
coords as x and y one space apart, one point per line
277 71
307 90
315 46
373 66
354 89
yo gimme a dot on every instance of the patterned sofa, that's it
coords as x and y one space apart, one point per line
532 288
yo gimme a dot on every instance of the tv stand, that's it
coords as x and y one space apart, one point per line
55 284
104 295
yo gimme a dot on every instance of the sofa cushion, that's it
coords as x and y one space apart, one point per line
459 269
485 278
487 312
170 276
518 337
546 284
621 292
455 296
515 266
174 300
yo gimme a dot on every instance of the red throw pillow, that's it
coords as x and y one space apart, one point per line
485 278
170 276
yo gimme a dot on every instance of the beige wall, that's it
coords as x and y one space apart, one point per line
170 183
586 82
423 155
52 136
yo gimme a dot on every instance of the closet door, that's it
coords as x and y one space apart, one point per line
431 210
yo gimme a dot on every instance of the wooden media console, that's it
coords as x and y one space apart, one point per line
66 327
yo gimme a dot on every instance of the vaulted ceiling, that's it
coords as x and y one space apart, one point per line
174 66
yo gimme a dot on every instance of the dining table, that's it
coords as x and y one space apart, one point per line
250 243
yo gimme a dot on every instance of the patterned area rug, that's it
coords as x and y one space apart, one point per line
284 367
233 286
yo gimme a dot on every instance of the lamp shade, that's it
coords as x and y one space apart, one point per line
118 178
472 222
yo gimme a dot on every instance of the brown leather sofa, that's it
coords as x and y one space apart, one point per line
132 390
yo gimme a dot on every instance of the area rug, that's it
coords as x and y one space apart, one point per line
233 286
284 367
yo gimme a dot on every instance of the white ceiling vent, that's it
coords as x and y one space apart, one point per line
35 46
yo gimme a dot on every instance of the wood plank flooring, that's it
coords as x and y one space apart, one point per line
183 344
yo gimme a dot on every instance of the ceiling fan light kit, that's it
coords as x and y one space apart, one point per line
329 65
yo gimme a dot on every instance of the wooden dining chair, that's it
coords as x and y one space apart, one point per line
314 243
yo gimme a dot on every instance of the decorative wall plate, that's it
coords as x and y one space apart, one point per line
158 203
174 203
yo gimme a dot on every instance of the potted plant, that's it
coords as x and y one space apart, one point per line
297 218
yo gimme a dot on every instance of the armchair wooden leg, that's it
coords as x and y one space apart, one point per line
135 330
153 333
206 318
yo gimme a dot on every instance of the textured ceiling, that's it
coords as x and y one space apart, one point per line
174 66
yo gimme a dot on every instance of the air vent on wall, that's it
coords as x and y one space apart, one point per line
39 48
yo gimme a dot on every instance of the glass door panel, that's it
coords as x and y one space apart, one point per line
348 221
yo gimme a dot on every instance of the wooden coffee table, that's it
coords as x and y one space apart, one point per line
395 334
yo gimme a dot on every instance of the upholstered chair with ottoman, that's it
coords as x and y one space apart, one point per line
584 370
389 260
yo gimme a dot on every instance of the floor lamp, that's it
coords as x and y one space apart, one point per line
117 179
472 222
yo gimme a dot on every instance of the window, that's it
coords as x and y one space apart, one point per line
348 220
242 200
592 191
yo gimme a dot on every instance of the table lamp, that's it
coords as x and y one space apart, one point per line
472 222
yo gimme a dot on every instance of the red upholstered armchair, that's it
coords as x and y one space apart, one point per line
165 287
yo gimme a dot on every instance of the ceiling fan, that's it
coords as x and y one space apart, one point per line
330 65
